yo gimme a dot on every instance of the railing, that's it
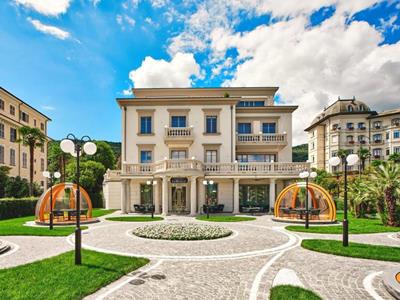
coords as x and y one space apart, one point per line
178 132
261 138
259 168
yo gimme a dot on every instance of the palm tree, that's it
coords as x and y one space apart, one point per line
364 154
395 157
32 138
387 175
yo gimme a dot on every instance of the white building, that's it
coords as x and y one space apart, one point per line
236 139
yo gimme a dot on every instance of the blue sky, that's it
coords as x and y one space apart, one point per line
72 58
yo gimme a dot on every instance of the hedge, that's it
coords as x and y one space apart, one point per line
14 208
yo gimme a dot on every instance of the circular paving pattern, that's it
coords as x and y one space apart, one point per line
182 231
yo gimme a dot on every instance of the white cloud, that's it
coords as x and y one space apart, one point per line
158 3
160 73
46 7
96 2
389 24
48 107
127 92
123 20
51 30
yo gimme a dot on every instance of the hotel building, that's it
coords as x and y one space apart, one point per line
350 124
15 113
181 146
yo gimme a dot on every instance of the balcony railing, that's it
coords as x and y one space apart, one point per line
178 132
261 139
181 166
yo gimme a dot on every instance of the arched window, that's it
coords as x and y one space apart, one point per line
350 108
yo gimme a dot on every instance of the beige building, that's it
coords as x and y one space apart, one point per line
174 140
15 113
350 124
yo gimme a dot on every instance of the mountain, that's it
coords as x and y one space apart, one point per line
300 153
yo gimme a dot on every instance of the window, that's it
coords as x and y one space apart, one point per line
396 122
334 139
42 126
244 128
145 156
12 110
396 134
256 157
145 125
34 122
387 136
254 195
211 156
335 126
13 134
350 108
377 152
1 131
350 126
24 160
269 127
312 146
1 154
361 139
211 124
24 117
212 193
178 154
361 125
12 157
178 121
395 150
146 194
387 151
377 138
250 103
349 139
1 104
41 164
377 124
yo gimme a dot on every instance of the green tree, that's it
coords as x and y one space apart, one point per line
395 157
104 155
17 187
360 196
387 175
57 159
364 154
4 170
32 138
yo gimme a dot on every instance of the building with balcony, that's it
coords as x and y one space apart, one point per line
15 113
185 147
351 124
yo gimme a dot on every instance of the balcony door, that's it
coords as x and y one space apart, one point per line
178 121
178 154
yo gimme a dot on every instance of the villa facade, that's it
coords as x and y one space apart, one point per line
351 124
15 113
182 147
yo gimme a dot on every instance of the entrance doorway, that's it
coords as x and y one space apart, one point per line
178 198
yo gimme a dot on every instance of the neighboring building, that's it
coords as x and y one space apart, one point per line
15 113
350 124
178 137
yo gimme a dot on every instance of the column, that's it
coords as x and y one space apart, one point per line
164 195
193 195
271 194
202 196
123 195
156 195
236 195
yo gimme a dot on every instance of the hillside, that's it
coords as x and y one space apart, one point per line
300 153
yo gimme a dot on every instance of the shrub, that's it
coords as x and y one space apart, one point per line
14 208
17 187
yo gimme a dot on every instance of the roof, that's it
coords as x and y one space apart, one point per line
341 107
389 112
23 102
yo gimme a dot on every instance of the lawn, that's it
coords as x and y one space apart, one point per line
284 292
58 278
224 218
376 252
135 219
356 226
16 226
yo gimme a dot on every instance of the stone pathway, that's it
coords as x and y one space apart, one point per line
242 266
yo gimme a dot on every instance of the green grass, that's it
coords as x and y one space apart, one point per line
58 278
285 292
358 250
356 226
99 212
16 226
224 218
135 219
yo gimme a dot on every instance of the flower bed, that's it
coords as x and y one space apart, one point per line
182 232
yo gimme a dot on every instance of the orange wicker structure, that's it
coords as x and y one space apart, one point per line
64 207
290 204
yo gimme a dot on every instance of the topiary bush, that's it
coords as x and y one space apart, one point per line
14 208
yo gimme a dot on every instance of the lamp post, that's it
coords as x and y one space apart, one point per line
76 147
206 183
349 160
51 176
152 183
306 175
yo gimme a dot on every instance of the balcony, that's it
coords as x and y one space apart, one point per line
178 135
261 139
194 167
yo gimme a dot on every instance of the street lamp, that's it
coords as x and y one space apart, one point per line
349 160
206 183
306 175
76 147
152 183
51 176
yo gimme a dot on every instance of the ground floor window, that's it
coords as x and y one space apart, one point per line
212 193
254 195
146 194
256 157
